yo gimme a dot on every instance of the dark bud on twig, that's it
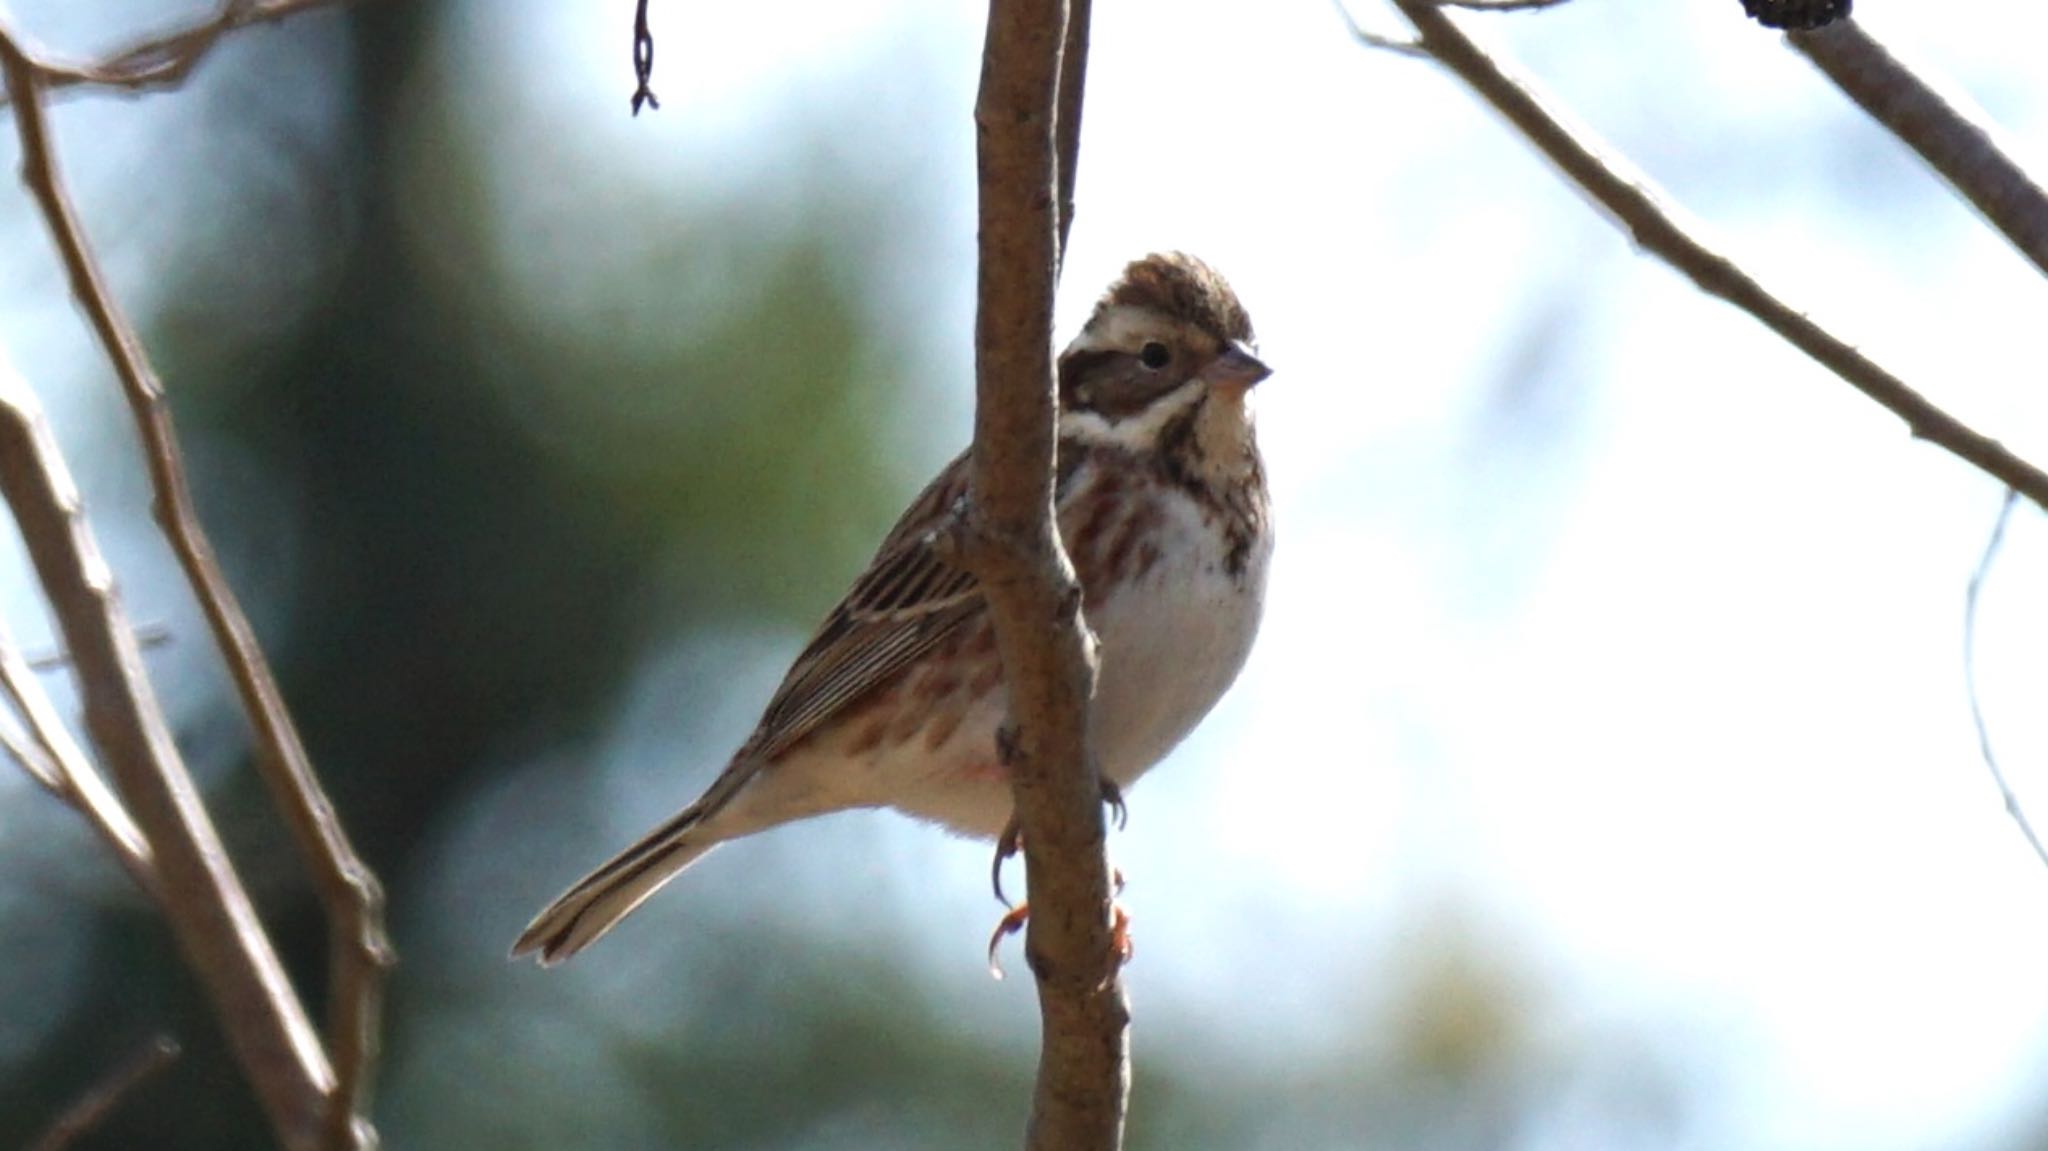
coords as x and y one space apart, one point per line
1797 15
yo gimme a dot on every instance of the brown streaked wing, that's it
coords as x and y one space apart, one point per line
907 600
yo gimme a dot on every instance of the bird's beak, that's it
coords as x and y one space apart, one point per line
1237 366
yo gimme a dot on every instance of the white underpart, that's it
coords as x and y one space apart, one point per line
1173 643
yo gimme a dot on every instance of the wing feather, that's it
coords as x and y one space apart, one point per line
908 600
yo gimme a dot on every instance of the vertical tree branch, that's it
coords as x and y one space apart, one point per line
1946 130
1014 548
359 951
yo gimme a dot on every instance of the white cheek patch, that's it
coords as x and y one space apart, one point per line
1138 430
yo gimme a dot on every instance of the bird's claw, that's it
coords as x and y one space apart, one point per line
1010 924
1007 846
1113 798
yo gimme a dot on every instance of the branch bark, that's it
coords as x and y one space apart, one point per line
1013 546
1633 201
350 895
1954 137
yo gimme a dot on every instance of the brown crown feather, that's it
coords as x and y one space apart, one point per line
1183 287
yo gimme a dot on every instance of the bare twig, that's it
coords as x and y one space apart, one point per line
1034 599
1944 127
65 770
1630 197
165 59
2005 791
92 1108
349 892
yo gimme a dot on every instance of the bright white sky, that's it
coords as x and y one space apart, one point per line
1604 627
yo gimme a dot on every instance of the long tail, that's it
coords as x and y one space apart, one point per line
582 914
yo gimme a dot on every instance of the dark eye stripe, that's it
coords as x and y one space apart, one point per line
1079 367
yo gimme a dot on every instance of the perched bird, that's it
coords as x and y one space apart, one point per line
897 700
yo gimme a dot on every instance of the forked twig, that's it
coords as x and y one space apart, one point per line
199 892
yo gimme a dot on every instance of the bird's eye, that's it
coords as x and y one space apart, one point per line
1155 355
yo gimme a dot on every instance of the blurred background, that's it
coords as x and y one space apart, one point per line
1604 776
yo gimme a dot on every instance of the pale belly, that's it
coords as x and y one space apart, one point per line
1170 645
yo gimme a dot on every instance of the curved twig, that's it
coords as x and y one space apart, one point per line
2006 794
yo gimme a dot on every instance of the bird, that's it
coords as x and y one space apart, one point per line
899 699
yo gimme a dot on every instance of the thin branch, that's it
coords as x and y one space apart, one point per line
165 59
92 1108
1949 132
1631 199
66 770
2005 791
288 1066
1014 550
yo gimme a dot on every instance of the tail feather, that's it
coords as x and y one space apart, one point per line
583 914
